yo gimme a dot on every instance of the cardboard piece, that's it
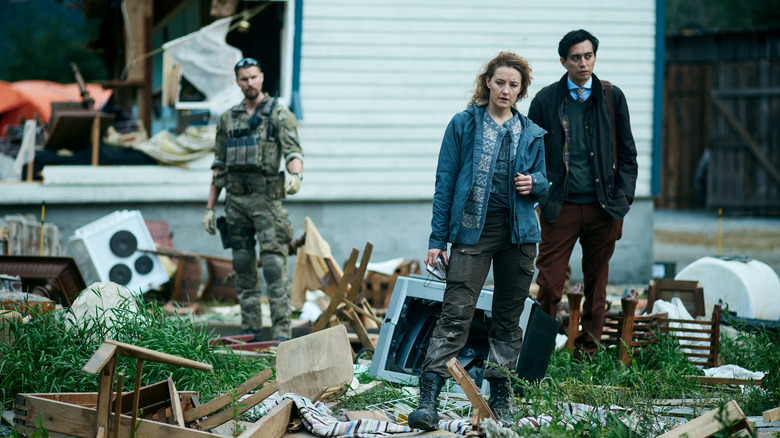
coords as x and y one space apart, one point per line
312 270
311 363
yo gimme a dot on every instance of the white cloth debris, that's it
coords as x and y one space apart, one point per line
733 372
27 149
676 310
207 61
386 267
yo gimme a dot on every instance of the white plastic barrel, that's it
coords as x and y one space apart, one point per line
751 288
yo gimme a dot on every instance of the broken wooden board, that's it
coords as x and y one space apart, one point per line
706 380
224 400
711 422
156 356
470 389
317 361
771 415
67 420
228 414
274 423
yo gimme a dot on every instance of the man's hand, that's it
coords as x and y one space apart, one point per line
209 221
292 184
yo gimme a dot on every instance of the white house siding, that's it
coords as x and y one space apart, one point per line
380 80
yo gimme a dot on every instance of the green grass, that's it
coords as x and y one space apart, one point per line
48 353
626 395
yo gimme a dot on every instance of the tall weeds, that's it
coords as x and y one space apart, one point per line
48 352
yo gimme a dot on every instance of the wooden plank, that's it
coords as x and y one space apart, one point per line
368 314
99 359
324 319
95 140
319 360
359 328
772 415
361 273
712 422
78 421
177 416
120 381
273 424
225 399
470 389
226 415
723 380
105 390
156 356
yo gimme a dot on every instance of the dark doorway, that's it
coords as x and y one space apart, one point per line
262 41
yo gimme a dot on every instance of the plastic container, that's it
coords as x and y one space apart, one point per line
750 287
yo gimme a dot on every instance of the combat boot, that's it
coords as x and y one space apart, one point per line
426 417
499 402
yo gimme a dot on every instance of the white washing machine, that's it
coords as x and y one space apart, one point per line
113 248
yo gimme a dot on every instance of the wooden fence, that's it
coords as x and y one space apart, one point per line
721 123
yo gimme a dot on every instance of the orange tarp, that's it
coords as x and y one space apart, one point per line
28 98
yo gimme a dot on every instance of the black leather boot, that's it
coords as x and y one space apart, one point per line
500 399
426 417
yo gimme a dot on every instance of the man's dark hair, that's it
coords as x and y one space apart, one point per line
246 63
576 37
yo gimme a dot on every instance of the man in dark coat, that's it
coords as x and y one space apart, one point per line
592 170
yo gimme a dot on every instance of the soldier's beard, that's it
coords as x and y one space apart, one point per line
251 94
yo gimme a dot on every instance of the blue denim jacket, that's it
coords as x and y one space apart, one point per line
455 172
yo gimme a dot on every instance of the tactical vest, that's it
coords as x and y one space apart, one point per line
253 150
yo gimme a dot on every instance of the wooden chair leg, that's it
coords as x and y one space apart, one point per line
335 300
629 303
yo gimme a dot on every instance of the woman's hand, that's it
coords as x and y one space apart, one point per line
433 254
523 184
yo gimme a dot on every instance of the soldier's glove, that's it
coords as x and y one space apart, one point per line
293 183
209 221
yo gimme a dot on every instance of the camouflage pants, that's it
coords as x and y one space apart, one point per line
258 216
513 268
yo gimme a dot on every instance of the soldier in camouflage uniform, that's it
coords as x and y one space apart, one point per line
252 137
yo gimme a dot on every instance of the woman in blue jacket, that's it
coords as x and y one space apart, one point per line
491 171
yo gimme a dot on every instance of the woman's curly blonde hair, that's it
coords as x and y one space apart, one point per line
481 95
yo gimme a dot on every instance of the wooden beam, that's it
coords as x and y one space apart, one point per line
359 328
470 389
120 381
177 416
105 390
723 380
729 417
63 419
100 358
772 415
96 140
324 319
138 42
248 403
225 399
273 424
142 353
629 303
